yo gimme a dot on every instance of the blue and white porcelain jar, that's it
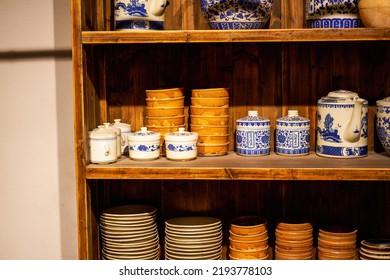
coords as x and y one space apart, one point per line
342 118
253 135
236 14
181 145
139 14
333 14
292 135
144 144
383 122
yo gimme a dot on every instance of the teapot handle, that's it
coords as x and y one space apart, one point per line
157 7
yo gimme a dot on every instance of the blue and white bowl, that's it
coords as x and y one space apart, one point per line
292 135
144 144
236 14
383 122
333 14
181 145
253 135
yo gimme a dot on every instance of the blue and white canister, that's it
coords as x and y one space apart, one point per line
292 135
144 144
253 135
181 145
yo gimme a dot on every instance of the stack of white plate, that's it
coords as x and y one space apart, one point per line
375 249
193 238
129 232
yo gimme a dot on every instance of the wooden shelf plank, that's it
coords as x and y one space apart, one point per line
234 167
226 36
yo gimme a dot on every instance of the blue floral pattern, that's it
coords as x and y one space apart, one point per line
145 148
383 129
181 147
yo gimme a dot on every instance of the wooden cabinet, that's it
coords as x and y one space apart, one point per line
273 70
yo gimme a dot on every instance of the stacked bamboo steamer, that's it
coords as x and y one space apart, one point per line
337 243
165 111
294 241
248 238
210 119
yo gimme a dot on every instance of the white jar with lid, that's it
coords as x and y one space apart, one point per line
102 145
125 131
292 135
144 144
253 135
181 145
108 126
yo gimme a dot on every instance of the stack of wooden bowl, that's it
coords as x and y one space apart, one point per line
337 243
375 249
165 111
248 238
210 119
294 241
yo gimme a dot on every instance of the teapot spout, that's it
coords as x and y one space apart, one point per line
353 128
157 7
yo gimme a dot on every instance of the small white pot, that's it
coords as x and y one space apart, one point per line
102 145
125 131
144 145
181 145
108 126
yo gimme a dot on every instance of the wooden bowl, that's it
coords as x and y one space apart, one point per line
209 120
165 121
210 102
213 139
210 92
209 111
212 149
165 102
210 129
164 111
375 13
248 245
260 253
248 225
164 129
164 93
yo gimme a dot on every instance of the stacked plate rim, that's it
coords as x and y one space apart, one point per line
129 232
193 238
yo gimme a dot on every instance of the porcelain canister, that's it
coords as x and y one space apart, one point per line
383 122
125 131
253 135
181 145
342 118
102 145
139 14
117 130
144 144
292 135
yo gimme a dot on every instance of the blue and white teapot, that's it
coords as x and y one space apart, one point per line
342 118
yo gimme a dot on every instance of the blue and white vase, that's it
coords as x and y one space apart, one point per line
333 14
144 144
181 145
139 14
292 135
236 14
342 118
253 135
383 122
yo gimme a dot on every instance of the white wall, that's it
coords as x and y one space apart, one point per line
37 181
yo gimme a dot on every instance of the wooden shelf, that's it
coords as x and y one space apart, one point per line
226 36
234 167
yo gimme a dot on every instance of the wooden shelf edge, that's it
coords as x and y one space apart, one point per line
374 167
226 36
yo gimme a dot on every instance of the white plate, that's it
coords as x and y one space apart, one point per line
193 236
194 240
125 223
146 246
130 230
209 251
153 256
193 222
129 236
130 211
193 230
214 256
136 252
143 240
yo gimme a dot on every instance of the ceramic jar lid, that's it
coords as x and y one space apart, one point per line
124 127
293 117
144 135
340 96
252 121
181 135
101 132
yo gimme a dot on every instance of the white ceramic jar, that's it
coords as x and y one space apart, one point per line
102 145
144 144
292 135
117 130
125 131
253 135
181 145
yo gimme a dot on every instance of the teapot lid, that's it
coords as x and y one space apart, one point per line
181 135
340 96
124 127
144 135
252 119
102 133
